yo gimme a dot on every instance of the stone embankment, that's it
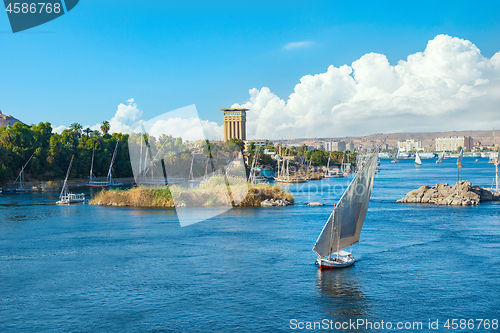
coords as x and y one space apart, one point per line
444 194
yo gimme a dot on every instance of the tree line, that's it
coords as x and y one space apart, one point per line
52 152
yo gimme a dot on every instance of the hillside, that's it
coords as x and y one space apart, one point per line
6 120
427 138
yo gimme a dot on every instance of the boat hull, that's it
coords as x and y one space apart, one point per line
336 263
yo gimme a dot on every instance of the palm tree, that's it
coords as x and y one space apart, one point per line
76 128
96 134
87 131
8 136
105 127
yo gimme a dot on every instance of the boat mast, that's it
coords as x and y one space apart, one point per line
191 176
21 174
109 178
92 165
64 190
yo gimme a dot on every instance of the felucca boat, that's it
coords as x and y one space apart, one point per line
441 158
66 197
395 160
22 182
94 182
343 227
418 161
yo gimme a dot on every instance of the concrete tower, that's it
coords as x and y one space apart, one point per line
235 121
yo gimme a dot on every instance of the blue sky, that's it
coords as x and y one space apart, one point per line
167 55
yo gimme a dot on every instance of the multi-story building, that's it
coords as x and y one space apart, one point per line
336 146
234 124
453 143
257 143
410 145
349 146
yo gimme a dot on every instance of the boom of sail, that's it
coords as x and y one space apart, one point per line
344 225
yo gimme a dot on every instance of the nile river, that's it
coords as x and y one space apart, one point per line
86 268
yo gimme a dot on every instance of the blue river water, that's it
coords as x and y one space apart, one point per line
85 268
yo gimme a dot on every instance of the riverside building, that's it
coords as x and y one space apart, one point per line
234 124
453 143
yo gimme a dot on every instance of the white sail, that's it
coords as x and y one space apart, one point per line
441 158
396 155
343 227
417 159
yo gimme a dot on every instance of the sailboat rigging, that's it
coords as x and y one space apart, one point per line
22 182
109 179
66 197
344 225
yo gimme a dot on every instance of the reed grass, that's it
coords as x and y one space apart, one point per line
214 192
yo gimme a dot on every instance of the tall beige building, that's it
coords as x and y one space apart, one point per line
234 124
452 144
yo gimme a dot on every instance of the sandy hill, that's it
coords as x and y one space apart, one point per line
428 138
6 120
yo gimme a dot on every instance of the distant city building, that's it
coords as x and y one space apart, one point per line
349 146
410 145
335 146
234 124
452 143
257 143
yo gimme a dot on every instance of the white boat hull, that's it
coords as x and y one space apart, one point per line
339 262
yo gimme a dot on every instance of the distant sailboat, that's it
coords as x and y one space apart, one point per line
395 160
418 162
283 175
332 173
441 158
343 227
66 197
497 162
109 179
22 182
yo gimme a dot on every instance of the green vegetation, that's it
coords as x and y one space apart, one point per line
52 152
320 157
213 192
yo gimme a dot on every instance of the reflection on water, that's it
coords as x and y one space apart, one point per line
342 293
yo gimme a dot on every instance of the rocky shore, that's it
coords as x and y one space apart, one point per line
444 194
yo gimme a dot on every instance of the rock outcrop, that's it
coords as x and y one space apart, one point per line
276 202
315 204
444 194
7 120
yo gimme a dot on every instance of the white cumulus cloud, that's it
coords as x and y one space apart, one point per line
125 114
448 86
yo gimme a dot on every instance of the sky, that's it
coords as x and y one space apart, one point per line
306 69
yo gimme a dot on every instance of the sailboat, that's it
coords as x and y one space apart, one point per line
343 227
109 179
395 160
497 163
441 158
418 162
66 197
332 173
22 182
283 175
